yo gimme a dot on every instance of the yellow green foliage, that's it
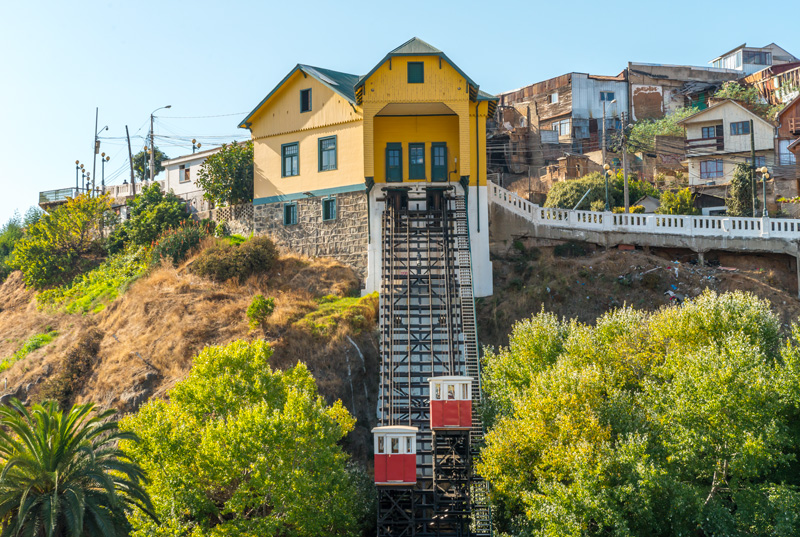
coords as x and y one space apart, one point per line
334 312
681 422
240 449
36 342
93 291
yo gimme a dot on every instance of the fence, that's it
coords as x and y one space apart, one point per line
658 224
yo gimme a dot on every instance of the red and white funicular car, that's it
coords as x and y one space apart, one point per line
451 402
395 455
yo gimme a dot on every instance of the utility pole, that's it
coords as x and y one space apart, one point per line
130 156
95 148
152 150
625 162
753 166
603 147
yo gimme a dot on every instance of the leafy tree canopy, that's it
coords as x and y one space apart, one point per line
63 474
240 449
680 202
141 164
740 192
566 194
685 421
642 136
63 242
227 176
150 213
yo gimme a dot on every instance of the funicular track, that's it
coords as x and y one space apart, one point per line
427 322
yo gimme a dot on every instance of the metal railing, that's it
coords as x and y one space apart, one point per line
704 146
657 224
56 196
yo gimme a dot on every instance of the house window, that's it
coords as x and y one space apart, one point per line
754 57
552 98
291 160
416 161
710 169
394 162
439 161
562 127
329 209
606 96
183 174
760 161
740 127
305 100
713 131
289 214
327 154
416 72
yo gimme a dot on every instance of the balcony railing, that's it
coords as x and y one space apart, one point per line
56 196
704 146
794 125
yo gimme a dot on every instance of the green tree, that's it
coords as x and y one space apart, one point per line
240 449
63 242
11 232
141 164
678 422
740 192
680 202
642 136
150 213
566 194
227 175
63 474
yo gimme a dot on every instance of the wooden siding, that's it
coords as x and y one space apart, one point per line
349 161
281 114
442 82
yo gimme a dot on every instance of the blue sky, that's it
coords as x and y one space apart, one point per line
60 60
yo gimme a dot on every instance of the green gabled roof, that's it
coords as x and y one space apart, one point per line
338 82
483 96
416 47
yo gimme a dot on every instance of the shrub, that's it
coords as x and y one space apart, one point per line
598 206
681 202
92 291
174 244
222 229
259 310
224 260
35 342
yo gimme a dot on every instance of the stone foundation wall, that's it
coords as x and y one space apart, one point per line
344 239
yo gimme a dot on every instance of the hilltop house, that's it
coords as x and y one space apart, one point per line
788 131
326 143
718 138
748 60
180 177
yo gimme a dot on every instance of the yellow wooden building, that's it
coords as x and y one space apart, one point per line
325 142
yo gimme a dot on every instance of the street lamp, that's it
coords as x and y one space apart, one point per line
764 176
77 172
195 145
152 144
103 160
606 173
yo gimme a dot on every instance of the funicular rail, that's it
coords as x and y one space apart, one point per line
427 321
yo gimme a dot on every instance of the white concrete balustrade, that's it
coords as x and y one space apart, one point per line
660 224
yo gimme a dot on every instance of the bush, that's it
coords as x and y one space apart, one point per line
92 291
681 202
35 342
259 310
598 206
150 214
224 260
174 244
337 313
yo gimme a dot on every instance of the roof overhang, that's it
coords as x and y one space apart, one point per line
714 107
416 109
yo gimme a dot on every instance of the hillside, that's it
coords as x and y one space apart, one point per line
143 342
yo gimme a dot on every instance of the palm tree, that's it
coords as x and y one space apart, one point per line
64 474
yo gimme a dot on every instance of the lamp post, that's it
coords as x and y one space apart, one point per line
606 173
77 173
86 186
195 145
103 160
764 176
152 143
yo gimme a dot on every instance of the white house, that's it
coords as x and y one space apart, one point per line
718 138
748 60
180 176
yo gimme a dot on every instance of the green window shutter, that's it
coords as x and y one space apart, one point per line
416 161
290 159
329 209
416 72
439 161
289 214
327 153
394 162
